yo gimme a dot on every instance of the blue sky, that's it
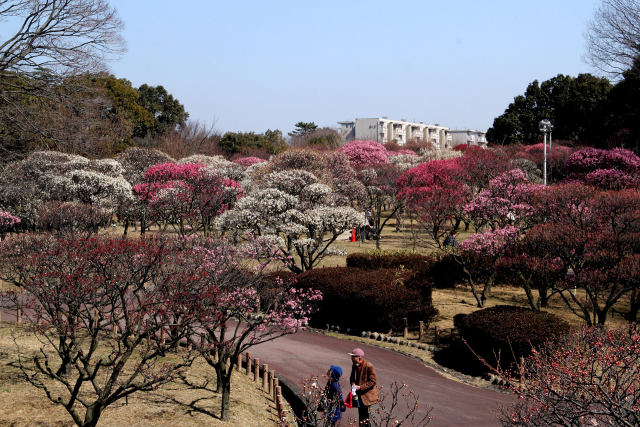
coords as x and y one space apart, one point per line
257 65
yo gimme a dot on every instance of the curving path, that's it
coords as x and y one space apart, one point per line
305 354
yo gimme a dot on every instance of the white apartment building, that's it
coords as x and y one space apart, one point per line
468 137
383 129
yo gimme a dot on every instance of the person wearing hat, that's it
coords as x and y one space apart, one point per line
363 380
332 400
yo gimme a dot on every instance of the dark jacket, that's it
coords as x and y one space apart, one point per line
333 395
365 376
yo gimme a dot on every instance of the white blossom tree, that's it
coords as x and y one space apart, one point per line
298 212
47 175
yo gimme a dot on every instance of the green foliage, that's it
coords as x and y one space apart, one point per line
303 128
271 141
166 110
124 98
625 107
502 334
577 107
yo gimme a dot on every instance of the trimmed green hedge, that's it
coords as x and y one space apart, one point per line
507 333
368 300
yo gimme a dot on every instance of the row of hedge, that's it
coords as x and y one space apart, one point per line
502 334
368 300
441 271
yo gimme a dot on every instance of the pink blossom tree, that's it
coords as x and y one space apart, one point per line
506 200
248 161
238 307
8 223
364 153
478 255
607 169
187 196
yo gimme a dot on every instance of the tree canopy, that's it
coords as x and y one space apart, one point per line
577 107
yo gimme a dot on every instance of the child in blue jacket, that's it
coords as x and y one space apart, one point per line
332 396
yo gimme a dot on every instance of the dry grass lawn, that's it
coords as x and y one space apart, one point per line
23 405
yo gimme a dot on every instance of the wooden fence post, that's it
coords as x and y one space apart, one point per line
420 331
256 369
265 377
248 371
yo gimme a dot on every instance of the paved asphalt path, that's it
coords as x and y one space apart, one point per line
306 354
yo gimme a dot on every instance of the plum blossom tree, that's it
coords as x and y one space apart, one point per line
365 153
187 196
296 211
480 166
607 169
478 255
46 175
98 307
594 236
69 218
349 189
7 223
248 161
435 193
590 377
238 306
506 200
380 184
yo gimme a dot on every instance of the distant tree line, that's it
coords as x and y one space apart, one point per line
587 109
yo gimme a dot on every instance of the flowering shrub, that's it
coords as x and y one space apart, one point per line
590 377
7 223
248 161
364 153
612 179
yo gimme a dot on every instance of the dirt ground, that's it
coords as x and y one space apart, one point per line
21 404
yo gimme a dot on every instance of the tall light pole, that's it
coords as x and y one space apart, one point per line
545 127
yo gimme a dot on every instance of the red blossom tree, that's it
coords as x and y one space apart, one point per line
591 377
99 308
594 235
187 196
435 193
479 166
